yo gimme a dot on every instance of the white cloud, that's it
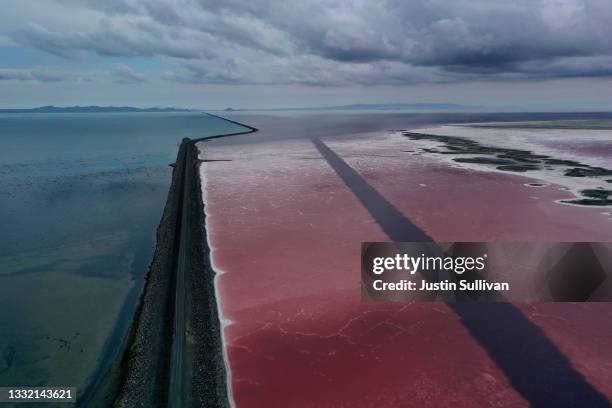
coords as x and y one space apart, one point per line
120 74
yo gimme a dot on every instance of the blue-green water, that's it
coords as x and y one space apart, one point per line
81 196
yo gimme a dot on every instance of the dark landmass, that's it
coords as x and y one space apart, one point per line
371 106
519 161
90 109
146 363
162 366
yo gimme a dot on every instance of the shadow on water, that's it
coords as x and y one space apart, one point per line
532 363
390 219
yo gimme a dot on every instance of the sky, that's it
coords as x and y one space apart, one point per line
212 54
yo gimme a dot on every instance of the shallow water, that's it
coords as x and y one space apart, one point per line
577 159
80 199
285 224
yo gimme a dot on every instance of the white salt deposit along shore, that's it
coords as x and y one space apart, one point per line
587 146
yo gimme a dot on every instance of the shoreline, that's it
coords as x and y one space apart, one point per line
217 272
150 370
510 151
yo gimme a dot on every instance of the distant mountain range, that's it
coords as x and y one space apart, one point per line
372 106
90 109
354 107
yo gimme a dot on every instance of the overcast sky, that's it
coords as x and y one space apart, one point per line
512 54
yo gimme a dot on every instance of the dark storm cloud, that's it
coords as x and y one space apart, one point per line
321 42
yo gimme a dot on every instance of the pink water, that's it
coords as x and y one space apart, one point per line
286 233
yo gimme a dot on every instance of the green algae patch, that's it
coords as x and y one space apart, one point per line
484 160
588 172
593 197
518 168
